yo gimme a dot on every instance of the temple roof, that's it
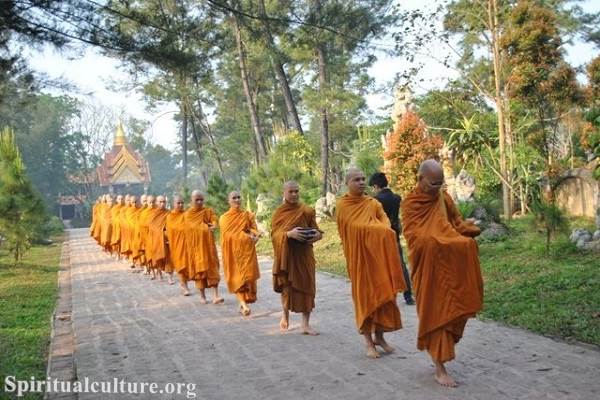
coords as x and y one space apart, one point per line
122 164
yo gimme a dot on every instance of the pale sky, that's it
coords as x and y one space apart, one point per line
93 72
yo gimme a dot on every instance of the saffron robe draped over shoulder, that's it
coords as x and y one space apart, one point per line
445 270
106 227
373 262
134 242
126 230
156 241
115 235
175 226
203 262
96 227
154 211
294 261
240 264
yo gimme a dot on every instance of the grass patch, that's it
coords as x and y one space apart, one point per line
27 299
554 292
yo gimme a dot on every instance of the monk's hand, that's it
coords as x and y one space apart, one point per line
211 227
297 234
315 237
471 221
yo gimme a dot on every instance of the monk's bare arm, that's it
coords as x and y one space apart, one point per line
465 228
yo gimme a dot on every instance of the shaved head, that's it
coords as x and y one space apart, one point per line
161 201
291 192
290 184
356 181
430 166
351 172
234 199
431 177
197 199
178 203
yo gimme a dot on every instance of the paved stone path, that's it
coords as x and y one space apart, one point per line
131 328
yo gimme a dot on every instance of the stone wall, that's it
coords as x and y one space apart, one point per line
578 193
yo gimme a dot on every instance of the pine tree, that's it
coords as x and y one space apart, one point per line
22 212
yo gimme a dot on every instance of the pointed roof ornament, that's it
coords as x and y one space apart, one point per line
120 139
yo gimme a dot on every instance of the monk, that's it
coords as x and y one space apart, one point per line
125 231
294 229
137 252
203 262
445 267
239 235
106 224
115 235
156 243
372 261
95 225
175 226
152 212
131 216
144 217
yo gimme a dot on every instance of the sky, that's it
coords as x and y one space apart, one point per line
95 74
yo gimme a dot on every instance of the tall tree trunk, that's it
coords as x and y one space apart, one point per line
204 122
280 71
258 134
184 146
499 100
323 84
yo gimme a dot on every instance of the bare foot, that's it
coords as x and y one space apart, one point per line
442 377
171 281
218 300
372 352
445 380
284 324
384 345
309 331
245 310
203 300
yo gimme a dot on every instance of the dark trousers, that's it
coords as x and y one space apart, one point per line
408 292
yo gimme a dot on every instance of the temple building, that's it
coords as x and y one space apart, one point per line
123 170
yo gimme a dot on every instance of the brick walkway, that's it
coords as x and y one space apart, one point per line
131 328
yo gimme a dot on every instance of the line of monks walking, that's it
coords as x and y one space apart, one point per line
444 260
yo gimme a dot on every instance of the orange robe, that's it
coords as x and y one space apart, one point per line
136 244
240 264
126 229
175 226
156 244
445 270
373 262
153 212
143 219
115 235
294 261
96 225
203 262
106 227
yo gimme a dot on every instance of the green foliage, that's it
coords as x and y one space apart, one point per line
22 212
217 192
367 151
53 226
466 208
550 218
28 296
292 158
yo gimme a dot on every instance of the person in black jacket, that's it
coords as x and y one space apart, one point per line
391 205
